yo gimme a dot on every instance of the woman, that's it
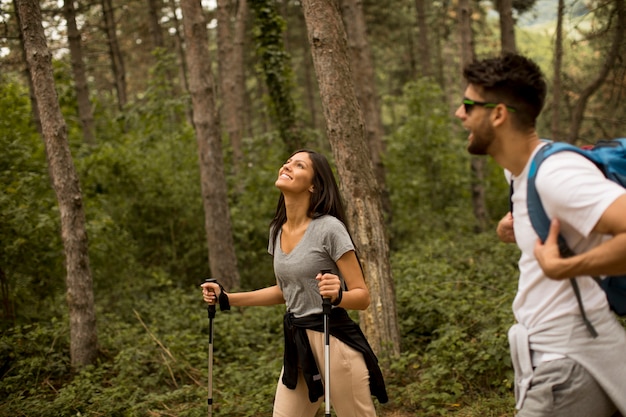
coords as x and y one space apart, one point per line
308 235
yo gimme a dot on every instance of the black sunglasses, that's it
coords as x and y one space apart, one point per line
468 104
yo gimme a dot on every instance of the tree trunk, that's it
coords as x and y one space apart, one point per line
8 306
117 61
83 336
153 20
230 42
611 58
85 112
33 100
556 78
464 15
345 131
477 170
507 26
310 87
275 61
182 67
222 259
364 78
424 45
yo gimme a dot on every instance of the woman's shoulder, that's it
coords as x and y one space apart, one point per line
328 222
327 219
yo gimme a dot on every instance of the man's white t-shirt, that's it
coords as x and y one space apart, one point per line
573 190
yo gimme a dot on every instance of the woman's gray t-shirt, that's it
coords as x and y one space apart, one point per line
325 240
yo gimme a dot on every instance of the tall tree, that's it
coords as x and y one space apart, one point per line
222 259
153 20
507 26
83 336
618 26
275 62
85 113
115 52
33 99
364 75
230 45
180 52
477 164
345 130
556 75
421 7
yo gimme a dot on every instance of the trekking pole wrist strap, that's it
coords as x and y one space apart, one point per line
337 300
223 299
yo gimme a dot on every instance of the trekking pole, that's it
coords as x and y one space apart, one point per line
211 313
326 307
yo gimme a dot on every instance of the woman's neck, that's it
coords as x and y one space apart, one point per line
297 212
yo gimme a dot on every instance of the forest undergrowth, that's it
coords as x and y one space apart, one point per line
453 299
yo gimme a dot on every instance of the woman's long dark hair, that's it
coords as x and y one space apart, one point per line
325 198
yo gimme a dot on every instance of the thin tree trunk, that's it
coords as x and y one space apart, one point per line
8 306
477 169
465 31
424 42
85 112
309 77
31 91
182 67
364 76
231 70
507 26
83 336
345 129
153 21
556 77
117 61
611 58
277 71
222 259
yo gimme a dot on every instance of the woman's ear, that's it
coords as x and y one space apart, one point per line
311 188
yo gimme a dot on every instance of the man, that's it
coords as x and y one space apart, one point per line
560 369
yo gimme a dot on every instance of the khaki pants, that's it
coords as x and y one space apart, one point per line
349 384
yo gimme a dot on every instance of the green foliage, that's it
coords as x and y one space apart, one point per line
454 302
147 251
143 205
253 200
427 168
454 307
153 364
31 262
275 67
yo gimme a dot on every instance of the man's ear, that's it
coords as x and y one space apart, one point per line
499 115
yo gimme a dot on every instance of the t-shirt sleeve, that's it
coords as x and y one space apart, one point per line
337 240
575 191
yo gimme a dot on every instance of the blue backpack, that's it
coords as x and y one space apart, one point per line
610 157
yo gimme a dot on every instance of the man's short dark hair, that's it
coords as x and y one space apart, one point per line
513 80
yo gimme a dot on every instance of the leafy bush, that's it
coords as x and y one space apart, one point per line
427 169
155 363
454 307
31 266
454 302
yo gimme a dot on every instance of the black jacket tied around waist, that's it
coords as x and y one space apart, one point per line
298 352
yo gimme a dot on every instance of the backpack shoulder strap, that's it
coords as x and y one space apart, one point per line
538 217
540 220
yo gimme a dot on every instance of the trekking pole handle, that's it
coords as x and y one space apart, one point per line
211 307
326 305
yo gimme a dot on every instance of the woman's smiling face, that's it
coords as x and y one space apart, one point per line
296 174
